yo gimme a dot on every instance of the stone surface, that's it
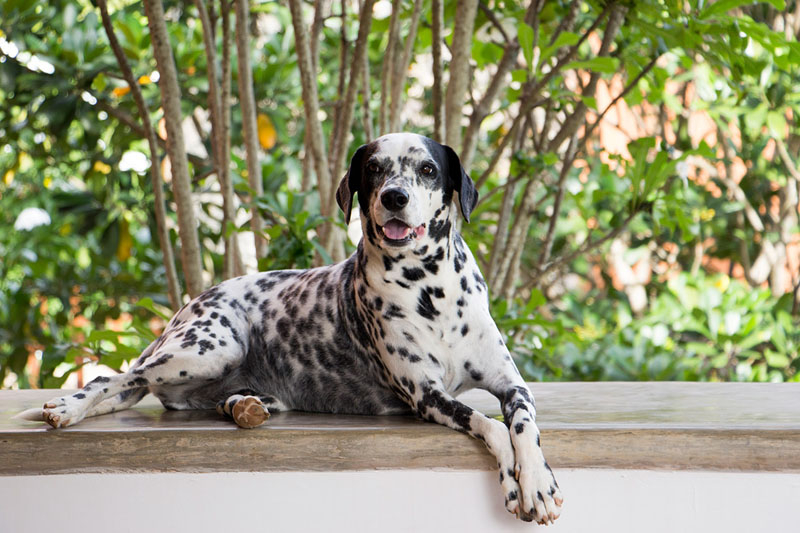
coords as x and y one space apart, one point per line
667 426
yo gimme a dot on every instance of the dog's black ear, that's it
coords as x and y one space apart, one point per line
351 183
461 182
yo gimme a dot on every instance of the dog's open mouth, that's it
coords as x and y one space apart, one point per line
396 232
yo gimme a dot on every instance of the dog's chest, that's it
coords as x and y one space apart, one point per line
424 315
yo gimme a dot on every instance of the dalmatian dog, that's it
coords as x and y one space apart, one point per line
400 327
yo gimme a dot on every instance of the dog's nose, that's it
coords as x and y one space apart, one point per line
394 199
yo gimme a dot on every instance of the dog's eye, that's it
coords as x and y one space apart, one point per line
373 168
426 170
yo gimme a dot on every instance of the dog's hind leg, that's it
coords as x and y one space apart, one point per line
120 402
193 357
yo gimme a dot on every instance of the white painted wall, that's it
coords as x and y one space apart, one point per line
597 501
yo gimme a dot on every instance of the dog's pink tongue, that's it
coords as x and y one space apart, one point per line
396 230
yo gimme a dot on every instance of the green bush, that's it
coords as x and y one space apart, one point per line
696 328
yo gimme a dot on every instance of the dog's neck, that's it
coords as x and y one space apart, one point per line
433 255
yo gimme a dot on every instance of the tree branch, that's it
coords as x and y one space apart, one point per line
587 246
487 11
481 109
578 116
128 119
566 164
616 99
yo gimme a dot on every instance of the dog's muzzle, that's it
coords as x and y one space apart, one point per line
397 232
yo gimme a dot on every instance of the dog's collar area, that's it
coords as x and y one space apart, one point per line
398 233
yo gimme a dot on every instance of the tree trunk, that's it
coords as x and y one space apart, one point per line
459 70
311 100
249 123
401 59
226 180
386 71
181 184
173 285
219 107
437 21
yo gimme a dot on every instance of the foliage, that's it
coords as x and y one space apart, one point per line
709 205
703 328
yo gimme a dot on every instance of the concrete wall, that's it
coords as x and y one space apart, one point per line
387 501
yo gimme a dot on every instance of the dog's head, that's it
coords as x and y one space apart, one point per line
406 185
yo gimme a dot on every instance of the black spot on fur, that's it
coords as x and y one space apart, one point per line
431 262
425 307
439 229
388 262
205 346
433 399
393 311
161 360
413 274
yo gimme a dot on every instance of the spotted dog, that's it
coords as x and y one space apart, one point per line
402 326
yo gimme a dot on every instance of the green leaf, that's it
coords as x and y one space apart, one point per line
776 360
566 38
525 36
606 65
148 304
722 6
326 257
776 123
780 5
754 119
590 102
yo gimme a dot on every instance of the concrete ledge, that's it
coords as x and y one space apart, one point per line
662 426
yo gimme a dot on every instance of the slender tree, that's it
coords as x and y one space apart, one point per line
176 150
247 103
173 285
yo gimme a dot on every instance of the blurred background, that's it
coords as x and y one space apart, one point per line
637 166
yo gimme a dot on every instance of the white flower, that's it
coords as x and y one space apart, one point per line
134 160
30 218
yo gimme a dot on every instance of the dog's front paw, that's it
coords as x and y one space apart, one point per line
511 491
541 499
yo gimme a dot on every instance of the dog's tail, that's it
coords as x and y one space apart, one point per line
34 415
